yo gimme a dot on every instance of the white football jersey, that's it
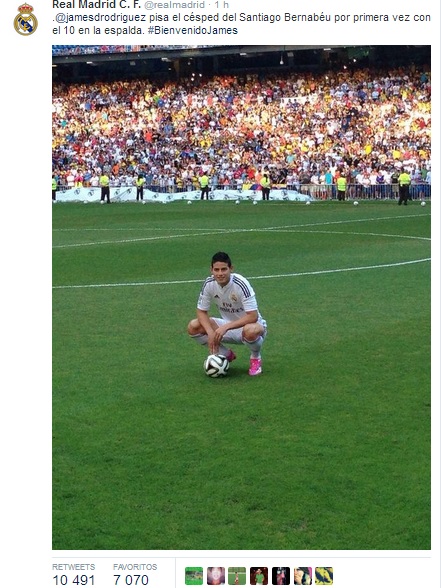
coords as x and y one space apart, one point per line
233 300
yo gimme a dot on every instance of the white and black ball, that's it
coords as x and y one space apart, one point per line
216 366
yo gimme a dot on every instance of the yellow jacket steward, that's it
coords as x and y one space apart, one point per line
341 184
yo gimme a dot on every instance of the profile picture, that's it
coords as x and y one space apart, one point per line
194 576
259 576
324 576
302 576
281 576
215 576
237 576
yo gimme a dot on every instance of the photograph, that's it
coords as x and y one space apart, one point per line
281 576
303 576
237 576
194 576
241 299
216 576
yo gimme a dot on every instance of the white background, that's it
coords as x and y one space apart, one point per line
25 410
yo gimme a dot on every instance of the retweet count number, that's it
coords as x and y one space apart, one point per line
82 580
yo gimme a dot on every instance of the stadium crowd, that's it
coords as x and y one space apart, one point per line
303 129
58 50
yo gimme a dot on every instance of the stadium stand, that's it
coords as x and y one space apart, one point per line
303 127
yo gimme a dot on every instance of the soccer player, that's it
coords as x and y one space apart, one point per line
240 322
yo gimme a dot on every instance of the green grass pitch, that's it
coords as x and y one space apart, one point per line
328 449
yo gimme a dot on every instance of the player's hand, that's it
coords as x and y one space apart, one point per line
213 346
219 334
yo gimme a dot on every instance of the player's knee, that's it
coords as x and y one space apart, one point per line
252 332
194 327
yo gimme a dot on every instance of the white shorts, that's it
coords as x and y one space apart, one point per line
234 335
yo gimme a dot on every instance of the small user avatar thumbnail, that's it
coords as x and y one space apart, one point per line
259 576
302 576
281 576
194 576
215 576
237 576
324 576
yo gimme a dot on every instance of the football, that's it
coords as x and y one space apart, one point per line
216 366
355 203
423 203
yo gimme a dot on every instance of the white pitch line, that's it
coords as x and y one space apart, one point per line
267 277
114 242
343 222
354 233
98 229
292 229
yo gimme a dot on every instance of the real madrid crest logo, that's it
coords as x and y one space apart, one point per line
25 23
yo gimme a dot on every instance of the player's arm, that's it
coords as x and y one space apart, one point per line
209 328
205 321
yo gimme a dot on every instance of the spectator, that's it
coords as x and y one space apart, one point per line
293 125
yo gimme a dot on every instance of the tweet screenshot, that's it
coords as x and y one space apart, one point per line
223 330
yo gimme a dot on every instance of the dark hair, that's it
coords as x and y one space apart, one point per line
221 256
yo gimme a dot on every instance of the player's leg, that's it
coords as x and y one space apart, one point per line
253 336
196 330
198 333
